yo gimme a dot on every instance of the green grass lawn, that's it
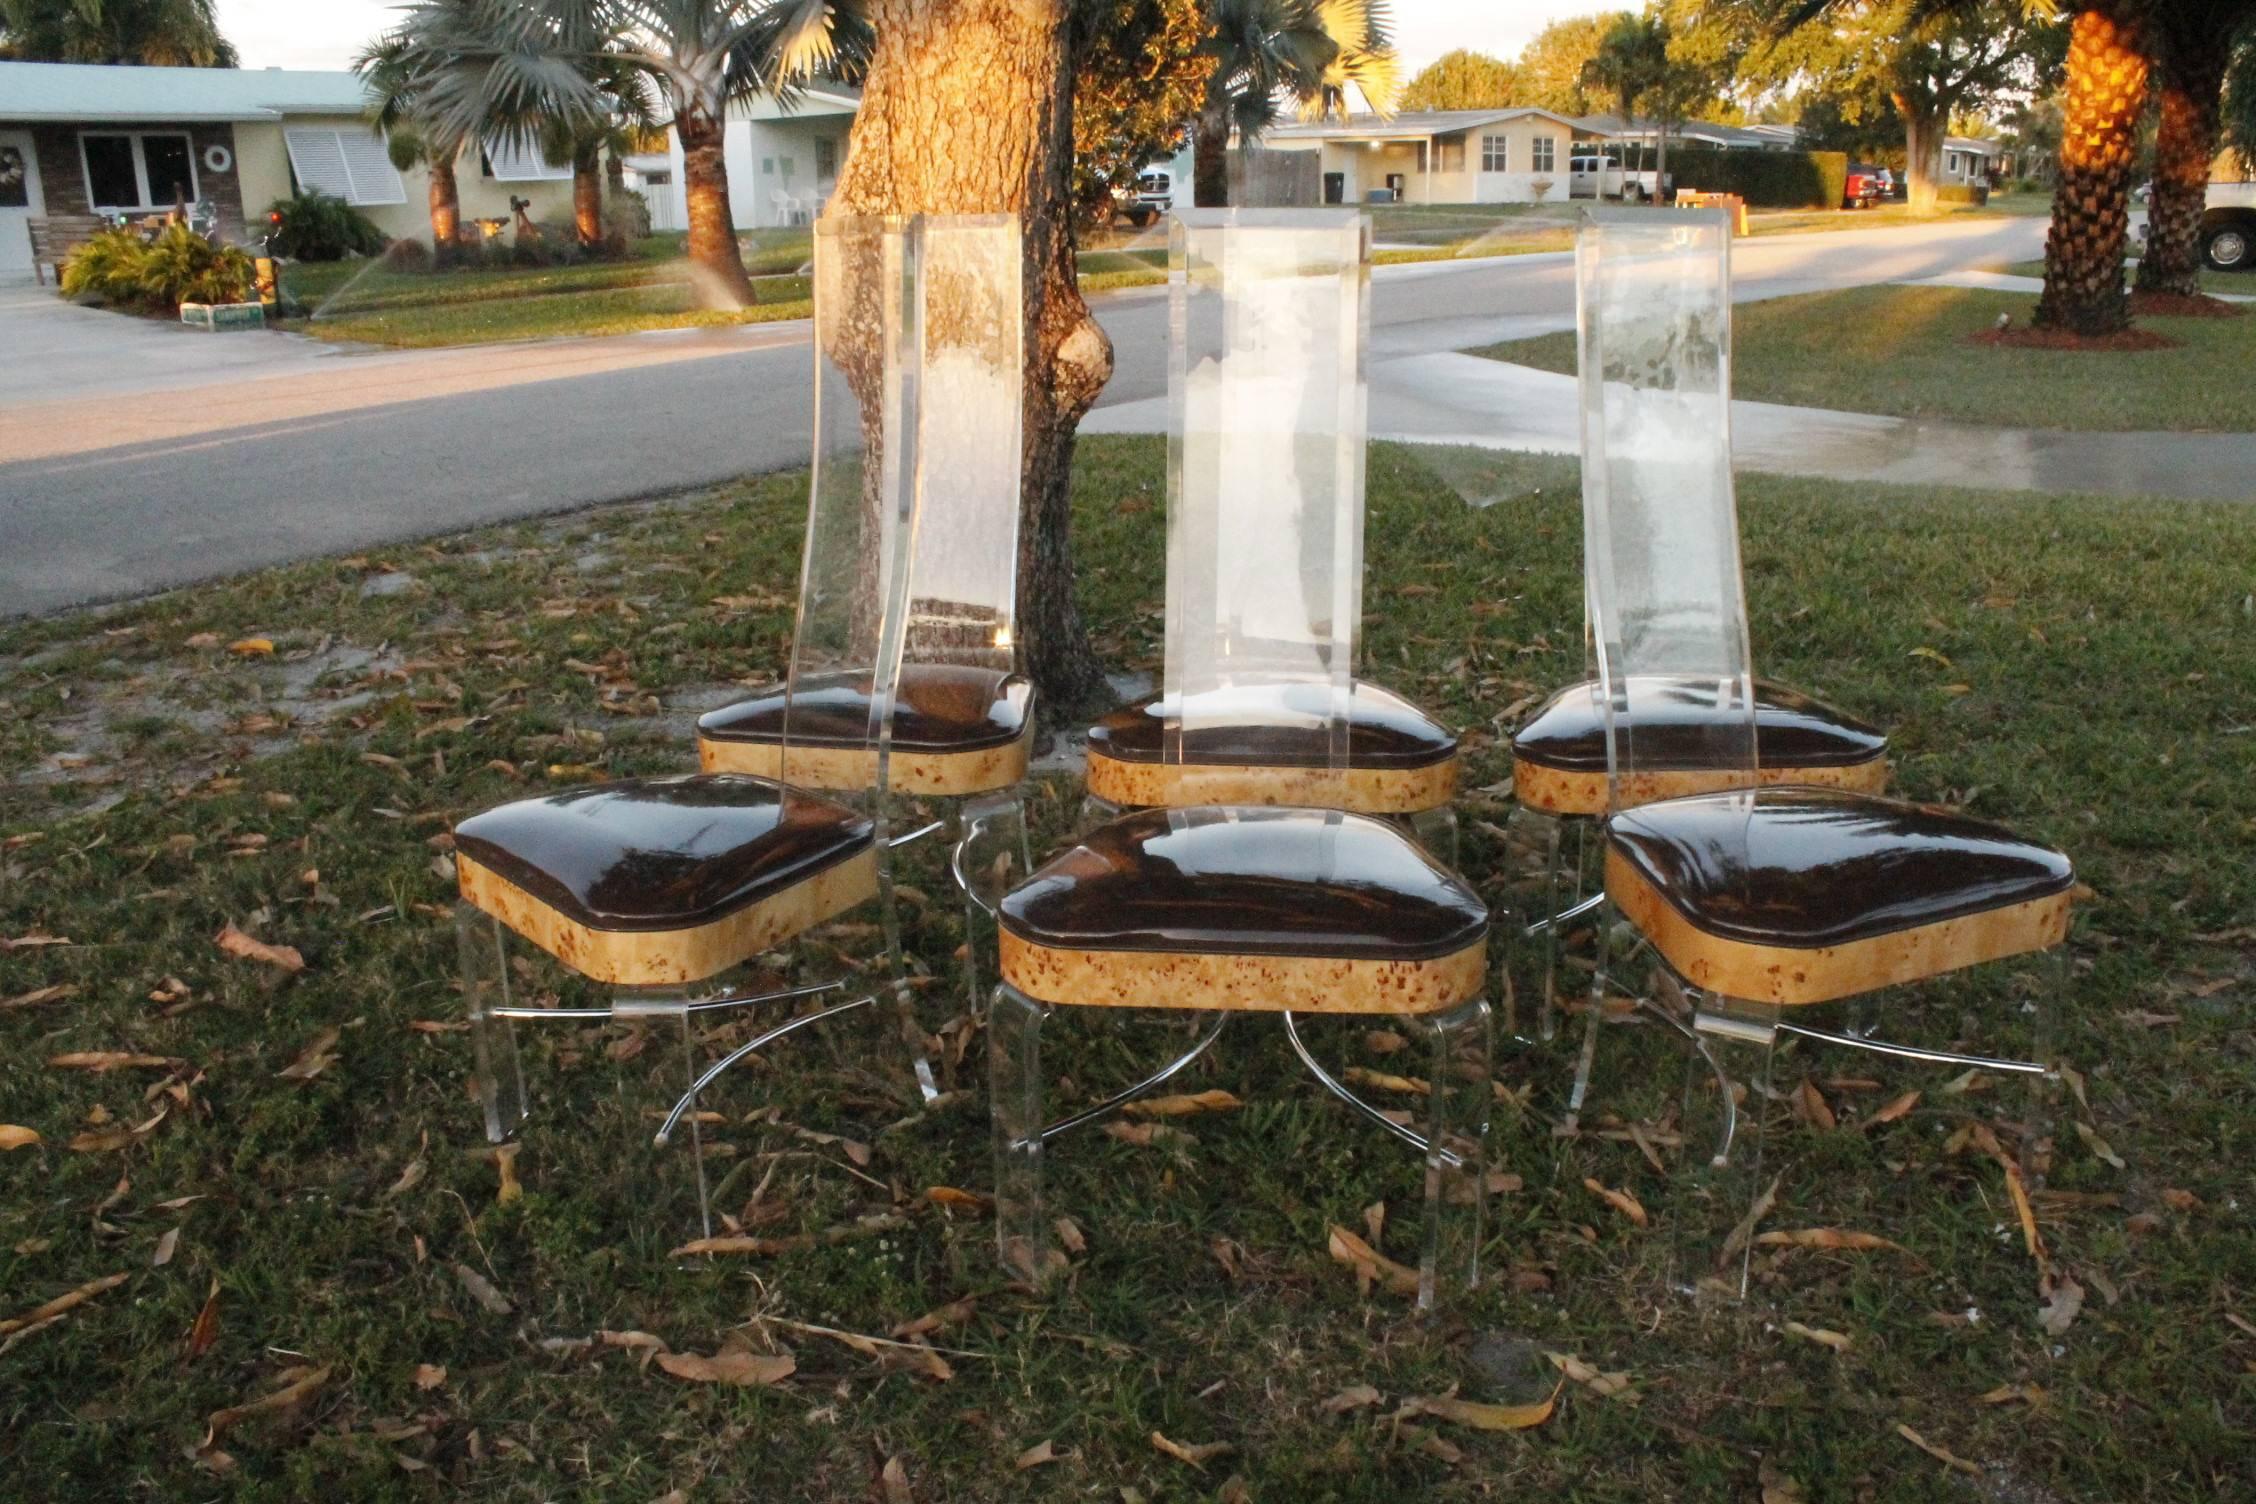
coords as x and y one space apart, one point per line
539 315
1905 350
2211 281
2079 668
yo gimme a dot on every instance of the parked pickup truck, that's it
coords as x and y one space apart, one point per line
2228 226
1592 174
1154 196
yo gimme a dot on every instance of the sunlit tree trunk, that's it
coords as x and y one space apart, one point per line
712 232
446 203
587 193
1923 151
2191 86
968 108
2083 290
1210 158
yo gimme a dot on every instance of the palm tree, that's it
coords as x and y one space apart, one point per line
1309 50
153 33
1632 63
399 68
2194 42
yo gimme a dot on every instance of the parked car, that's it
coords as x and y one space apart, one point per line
1153 197
2228 227
1863 188
1600 174
1891 186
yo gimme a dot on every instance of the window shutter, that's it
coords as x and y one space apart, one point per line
349 164
524 162
374 179
319 162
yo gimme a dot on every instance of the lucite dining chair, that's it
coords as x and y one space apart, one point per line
1213 902
1758 902
961 716
667 898
1294 328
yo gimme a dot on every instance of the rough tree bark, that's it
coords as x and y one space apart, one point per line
968 108
2190 83
587 193
712 233
2083 290
1924 125
1210 158
446 204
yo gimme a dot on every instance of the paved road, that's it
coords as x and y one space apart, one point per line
134 458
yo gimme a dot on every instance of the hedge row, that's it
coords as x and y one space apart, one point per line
1962 193
1765 179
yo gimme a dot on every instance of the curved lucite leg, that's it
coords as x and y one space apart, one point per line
1459 1073
1095 812
1548 1014
696 1128
2041 1101
1727 1093
1015 1104
483 950
1436 830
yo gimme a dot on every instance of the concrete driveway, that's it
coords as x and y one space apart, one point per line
135 457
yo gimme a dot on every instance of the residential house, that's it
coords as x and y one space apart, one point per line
85 139
1644 135
1973 159
783 160
1437 156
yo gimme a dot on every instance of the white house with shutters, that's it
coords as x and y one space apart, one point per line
82 139
1438 156
783 160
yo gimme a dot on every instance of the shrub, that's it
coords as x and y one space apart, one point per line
1765 179
317 227
1962 193
176 266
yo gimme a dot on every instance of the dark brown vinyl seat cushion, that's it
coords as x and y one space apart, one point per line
937 708
1274 882
1867 891
1791 729
1278 725
663 854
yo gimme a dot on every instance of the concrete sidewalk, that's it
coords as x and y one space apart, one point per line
1988 281
1488 404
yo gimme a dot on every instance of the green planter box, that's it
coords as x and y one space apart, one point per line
222 316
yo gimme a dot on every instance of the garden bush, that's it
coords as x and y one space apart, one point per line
176 266
1962 193
1765 179
318 227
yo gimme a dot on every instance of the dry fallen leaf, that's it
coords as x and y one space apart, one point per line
729 1368
107 1138
1831 1239
1614 1386
1823 1337
1486 1417
1183 1106
1353 1397
482 1290
69 1300
1036 1455
948 1195
429 1376
2100 1147
303 1383
2062 1304
1196 1456
167 1246
1369 1264
1894 1109
314 1058
205 1331
505 1161
252 647
1936 1452
99 1061
955 1313
235 943
1620 1201
14 1136
2032 1395
895 1477
37 996
1810 1106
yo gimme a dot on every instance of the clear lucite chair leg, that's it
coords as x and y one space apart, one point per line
908 1029
1436 830
696 1129
1459 1071
1016 1090
1727 1093
483 948
2041 1093
1594 1011
1095 812
1548 1014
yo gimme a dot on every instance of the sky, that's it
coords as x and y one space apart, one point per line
326 33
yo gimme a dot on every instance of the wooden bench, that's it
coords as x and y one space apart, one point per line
55 237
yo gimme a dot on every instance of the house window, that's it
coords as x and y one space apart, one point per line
137 169
767 167
1449 154
826 157
1492 154
1544 159
523 162
789 165
351 164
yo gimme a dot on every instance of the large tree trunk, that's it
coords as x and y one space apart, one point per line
587 193
1210 157
2191 75
968 108
2083 290
713 251
446 204
1924 126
